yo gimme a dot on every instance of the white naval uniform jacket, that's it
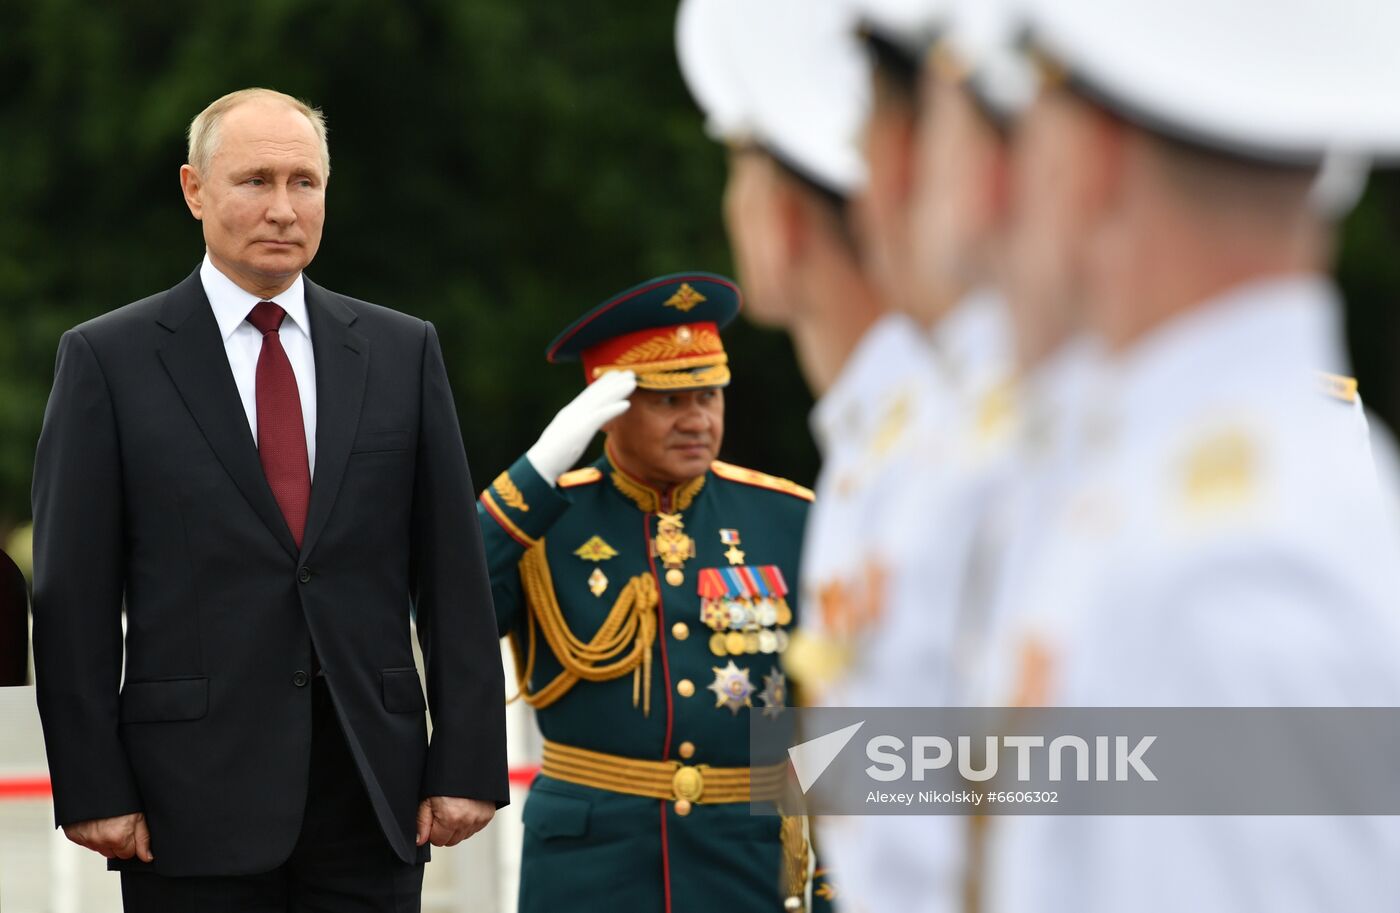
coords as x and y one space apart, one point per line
1226 541
884 534
1051 401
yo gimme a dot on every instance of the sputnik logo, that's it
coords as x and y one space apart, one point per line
810 759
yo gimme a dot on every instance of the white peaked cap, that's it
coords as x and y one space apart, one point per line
984 37
706 36
810 81
912 24
1287 80
788 74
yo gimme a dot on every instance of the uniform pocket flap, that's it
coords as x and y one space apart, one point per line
165 700
402 691
552 815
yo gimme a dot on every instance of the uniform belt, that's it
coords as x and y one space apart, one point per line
673 781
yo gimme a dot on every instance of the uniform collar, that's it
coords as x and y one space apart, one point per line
232 304
649 499
880 360
1053 394
972 341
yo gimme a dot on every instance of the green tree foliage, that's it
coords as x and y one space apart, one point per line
499 166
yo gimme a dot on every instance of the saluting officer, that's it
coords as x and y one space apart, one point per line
648 599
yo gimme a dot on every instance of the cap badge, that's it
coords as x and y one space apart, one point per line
685 298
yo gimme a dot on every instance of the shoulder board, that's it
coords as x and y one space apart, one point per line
1338 386
760 480
576 477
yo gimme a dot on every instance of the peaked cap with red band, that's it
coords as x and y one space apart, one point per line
666 330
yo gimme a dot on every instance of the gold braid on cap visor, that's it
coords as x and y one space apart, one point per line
695 379
683 360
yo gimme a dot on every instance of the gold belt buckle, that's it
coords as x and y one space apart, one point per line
687 785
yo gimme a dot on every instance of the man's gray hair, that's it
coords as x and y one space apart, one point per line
204 129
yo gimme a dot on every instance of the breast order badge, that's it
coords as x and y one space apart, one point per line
732 687
596 550
672 546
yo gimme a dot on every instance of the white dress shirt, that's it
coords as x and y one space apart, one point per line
243 344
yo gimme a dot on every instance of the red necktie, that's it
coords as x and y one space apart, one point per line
281 433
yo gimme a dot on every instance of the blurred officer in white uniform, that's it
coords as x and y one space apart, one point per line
786 85
783 85
926 481
952 216
978 83
934 508
879 401
1223 541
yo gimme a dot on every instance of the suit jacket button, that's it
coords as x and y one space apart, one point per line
300 678
304 575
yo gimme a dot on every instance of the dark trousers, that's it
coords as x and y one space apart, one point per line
342 862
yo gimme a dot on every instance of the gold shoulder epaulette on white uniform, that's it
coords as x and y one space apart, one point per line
1339 386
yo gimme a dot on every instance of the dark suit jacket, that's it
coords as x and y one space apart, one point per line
148 489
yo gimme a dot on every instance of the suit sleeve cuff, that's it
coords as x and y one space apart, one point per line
523 504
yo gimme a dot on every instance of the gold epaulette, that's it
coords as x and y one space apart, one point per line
760 480
1338 386
576 477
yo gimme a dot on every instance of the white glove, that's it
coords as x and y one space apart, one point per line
567 436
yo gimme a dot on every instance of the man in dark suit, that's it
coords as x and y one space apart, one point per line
268 474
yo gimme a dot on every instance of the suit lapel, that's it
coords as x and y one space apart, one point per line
342 362
198 364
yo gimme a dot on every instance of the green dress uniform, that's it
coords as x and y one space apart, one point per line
647 625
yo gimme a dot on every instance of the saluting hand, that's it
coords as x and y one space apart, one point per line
566 437
447 820
116 838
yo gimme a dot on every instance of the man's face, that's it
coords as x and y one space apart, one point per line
263 201
751 215
957 210
1054 155
881 210
669 438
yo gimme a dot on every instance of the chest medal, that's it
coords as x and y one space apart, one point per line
596 550
672 546
732 687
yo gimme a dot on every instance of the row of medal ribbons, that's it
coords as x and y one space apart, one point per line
746 608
